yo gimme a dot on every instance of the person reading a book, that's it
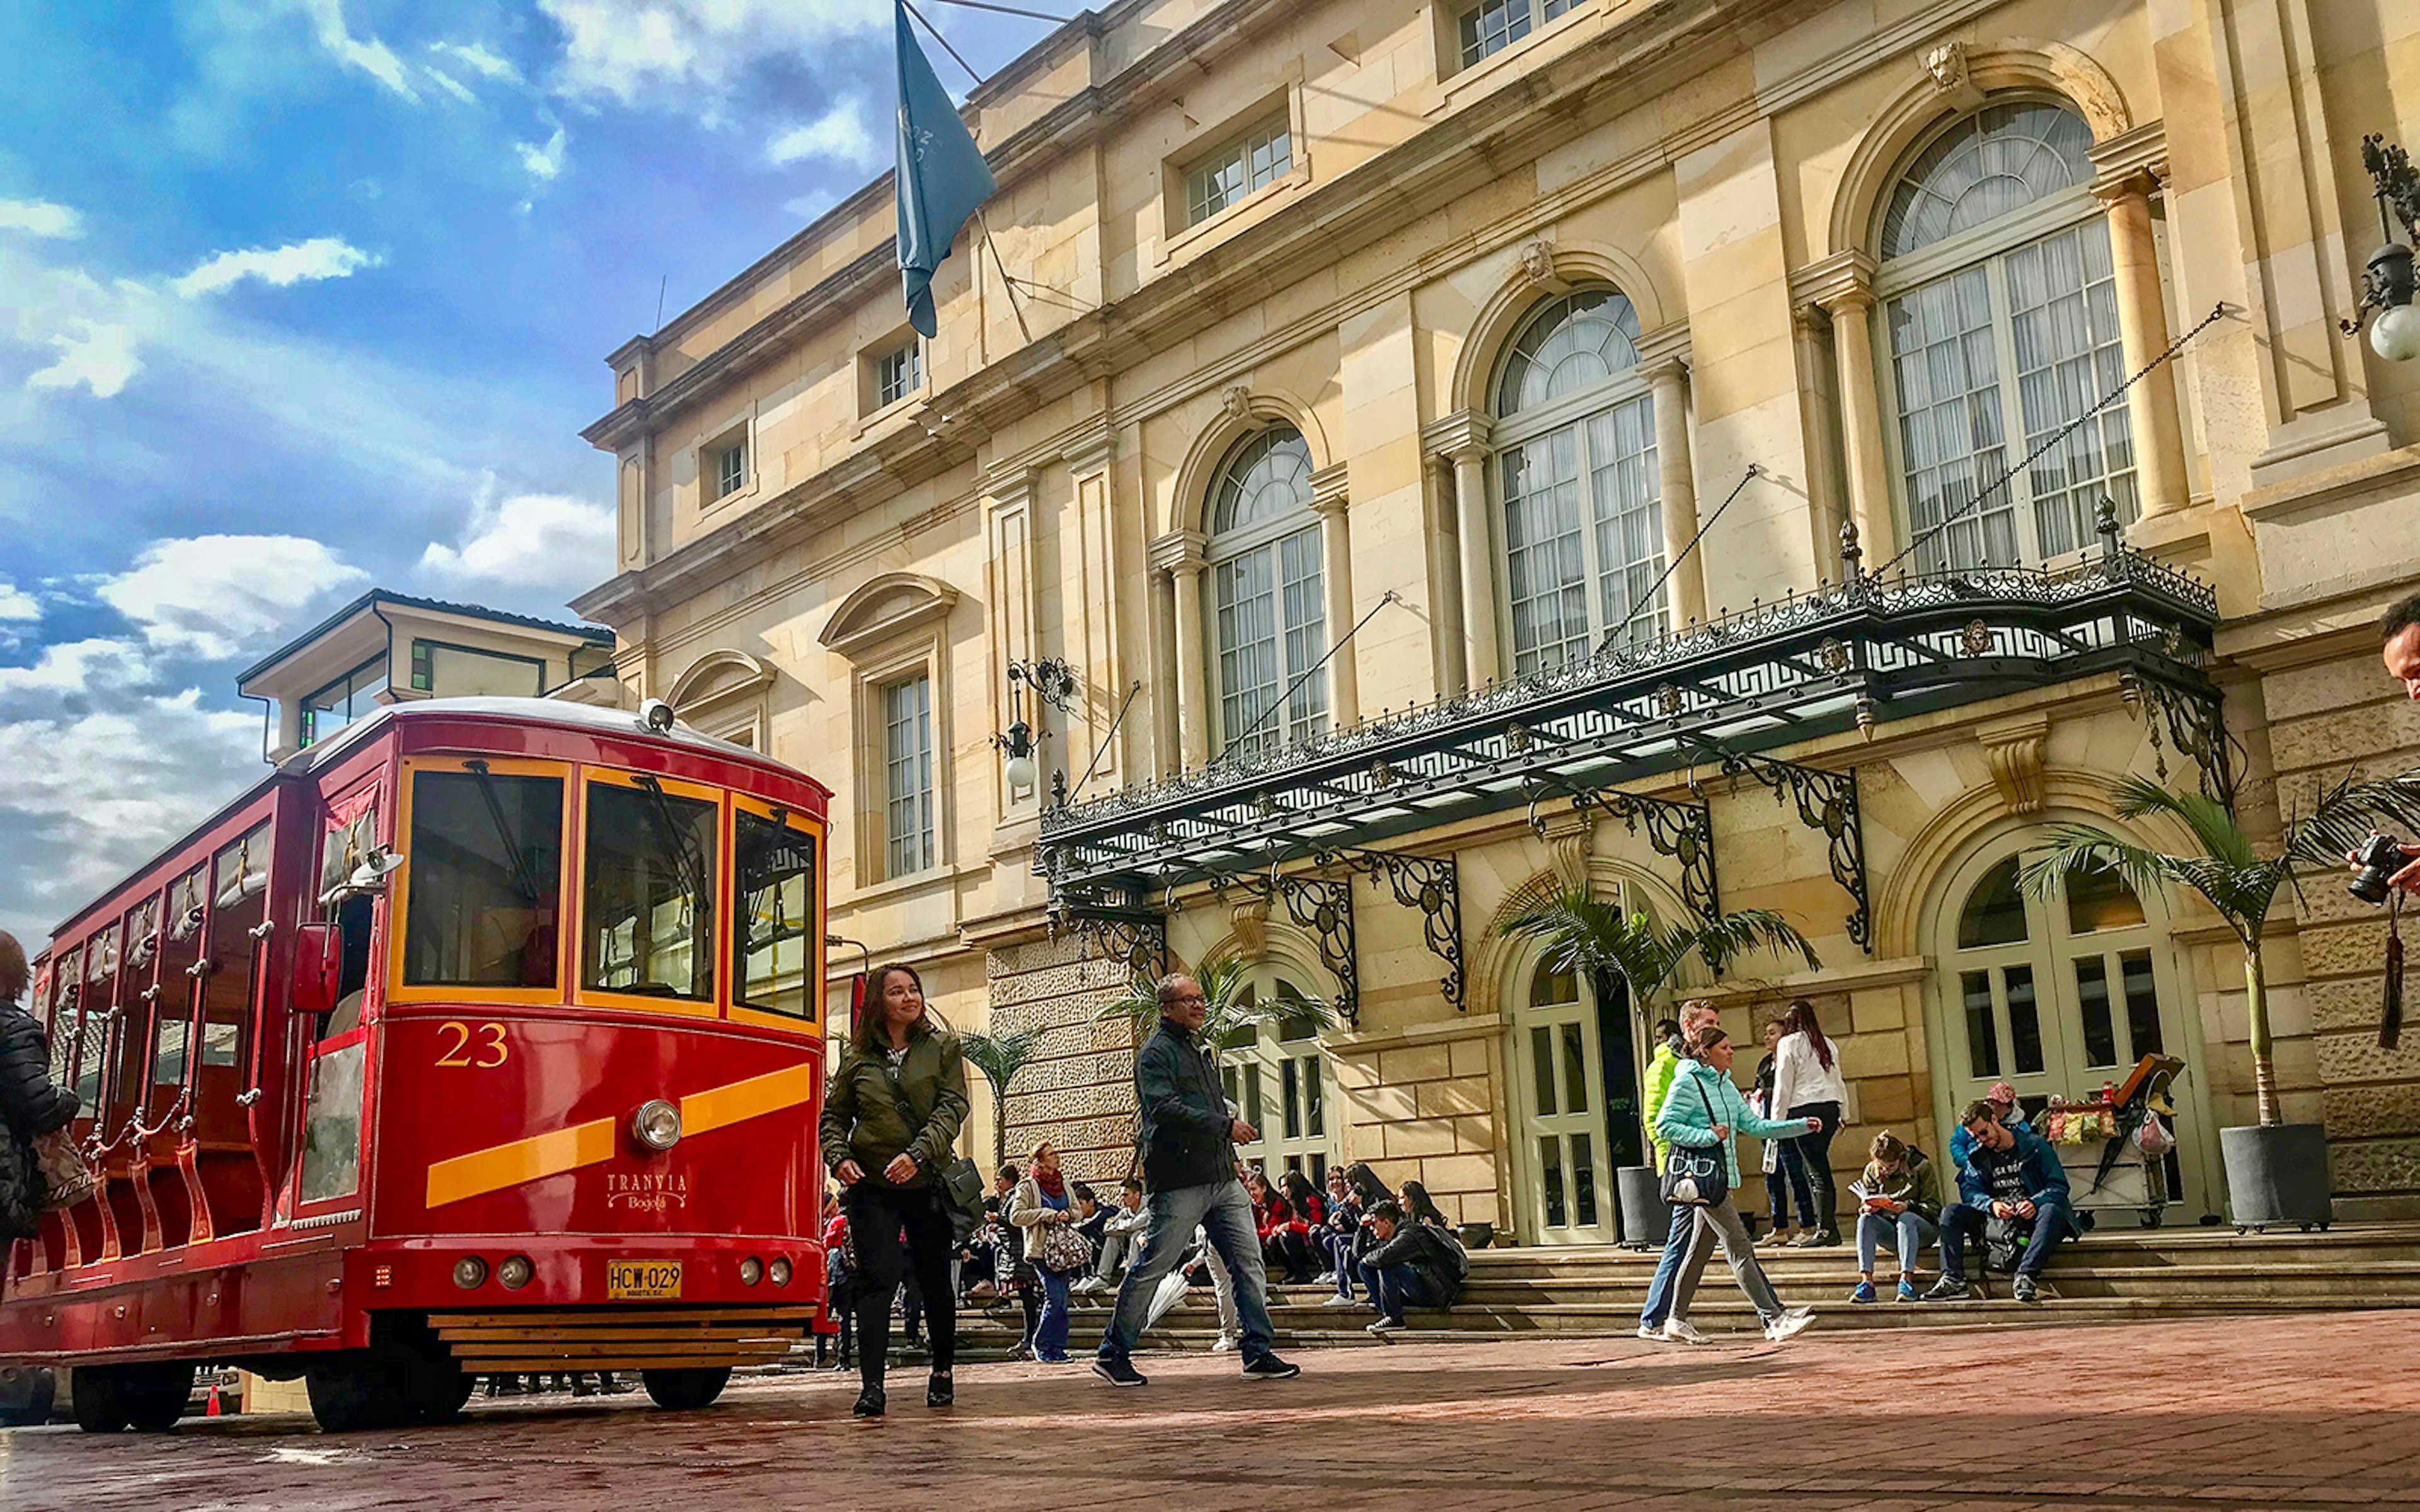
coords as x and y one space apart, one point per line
1899 1202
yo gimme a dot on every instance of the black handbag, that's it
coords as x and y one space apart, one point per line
1697 1176
960 1189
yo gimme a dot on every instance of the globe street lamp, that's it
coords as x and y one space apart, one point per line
2387 282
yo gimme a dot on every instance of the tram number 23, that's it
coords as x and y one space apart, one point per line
478 1045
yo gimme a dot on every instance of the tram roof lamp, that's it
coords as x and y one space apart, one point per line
656 715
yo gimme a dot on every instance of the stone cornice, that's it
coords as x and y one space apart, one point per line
1667 347
2134 162
1091 452
1330 489
1843 280
1463 433
1177 551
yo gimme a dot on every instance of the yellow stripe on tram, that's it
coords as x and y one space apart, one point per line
553 1154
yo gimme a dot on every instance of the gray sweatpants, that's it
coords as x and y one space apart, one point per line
1722 1221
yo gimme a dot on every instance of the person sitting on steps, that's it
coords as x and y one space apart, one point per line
2010 1190
1409 1265
1899 1200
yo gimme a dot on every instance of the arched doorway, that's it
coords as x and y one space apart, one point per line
2057 996
1278 1080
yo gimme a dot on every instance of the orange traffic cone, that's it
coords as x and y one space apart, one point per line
212 1410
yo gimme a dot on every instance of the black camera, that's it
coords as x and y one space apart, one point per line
2380 857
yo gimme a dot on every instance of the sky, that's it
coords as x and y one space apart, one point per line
300 297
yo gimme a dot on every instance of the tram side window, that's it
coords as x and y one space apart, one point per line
772 943
486 882
240 901
649 925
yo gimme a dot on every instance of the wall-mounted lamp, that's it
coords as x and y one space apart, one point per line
2387 282
1019 743
1055 683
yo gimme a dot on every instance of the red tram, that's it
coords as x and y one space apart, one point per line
485 1036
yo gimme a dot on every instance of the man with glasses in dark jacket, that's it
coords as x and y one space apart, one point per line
1188 1139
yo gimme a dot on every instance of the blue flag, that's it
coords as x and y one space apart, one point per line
941 177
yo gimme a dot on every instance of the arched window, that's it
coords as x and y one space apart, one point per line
2001 311
1268 604
2056 995
1583 528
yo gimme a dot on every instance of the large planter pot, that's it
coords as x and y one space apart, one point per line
2278 1174
1645 1219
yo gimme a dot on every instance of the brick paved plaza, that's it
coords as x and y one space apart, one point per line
2235 1413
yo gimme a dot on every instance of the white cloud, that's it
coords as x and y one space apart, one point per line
368 55
41 218
480 61
839 135
529 541
17 604
543 163
810 206
92 355
452 85
210 597
83 667
317 258
686 54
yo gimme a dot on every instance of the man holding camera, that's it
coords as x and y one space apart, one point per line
2400 630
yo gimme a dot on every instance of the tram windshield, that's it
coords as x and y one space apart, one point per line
486 864
773 936
648 923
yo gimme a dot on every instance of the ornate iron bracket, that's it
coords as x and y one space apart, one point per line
1134 936
1432 885
2195 725
1826 801
1325 907
1684 831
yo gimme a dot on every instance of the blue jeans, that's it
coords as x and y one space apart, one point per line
1676 1251
1339 1256
1961 1225
1224 1214
1050 1333
1912 1229
1394 1287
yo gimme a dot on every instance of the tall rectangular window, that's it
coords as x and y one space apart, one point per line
1492 26
898 374
729 462
350 697
907 775
1232 171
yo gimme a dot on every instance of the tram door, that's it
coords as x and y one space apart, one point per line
333 1049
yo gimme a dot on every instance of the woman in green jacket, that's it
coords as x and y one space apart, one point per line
1704 1109
891 1116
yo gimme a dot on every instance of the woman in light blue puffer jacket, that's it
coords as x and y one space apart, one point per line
1704 1109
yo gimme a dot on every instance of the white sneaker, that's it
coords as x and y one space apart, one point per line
1226 1344
1678 1330
1387 1325
1649 1331
1090 1287
1340 1300
1792 1320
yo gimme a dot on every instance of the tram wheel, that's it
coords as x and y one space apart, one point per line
99 1407
684 1391
156 1395
439 1388
359 1394
42 1389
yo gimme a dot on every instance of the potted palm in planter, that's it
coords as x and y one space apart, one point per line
1592 936
2276 1172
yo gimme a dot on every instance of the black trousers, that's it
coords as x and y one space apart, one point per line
1815 1151
878 1215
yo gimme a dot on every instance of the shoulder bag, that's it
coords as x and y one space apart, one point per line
1697 1176
960 1189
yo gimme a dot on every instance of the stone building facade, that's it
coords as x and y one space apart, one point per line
1320 498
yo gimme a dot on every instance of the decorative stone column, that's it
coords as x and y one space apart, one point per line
1178 554
1329 499
1665 356
1461 438
1843 285
2132 167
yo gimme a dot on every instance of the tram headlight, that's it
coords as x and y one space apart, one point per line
751 1271
779 1272
657 1124
516 1272
469 1272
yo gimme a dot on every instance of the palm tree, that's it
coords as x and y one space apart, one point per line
1585 935
2236 879
1000 1057
1235 1014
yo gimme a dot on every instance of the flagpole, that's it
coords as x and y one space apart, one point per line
1005 282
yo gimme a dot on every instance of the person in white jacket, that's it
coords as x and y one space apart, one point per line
1806 1083
1120 1236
